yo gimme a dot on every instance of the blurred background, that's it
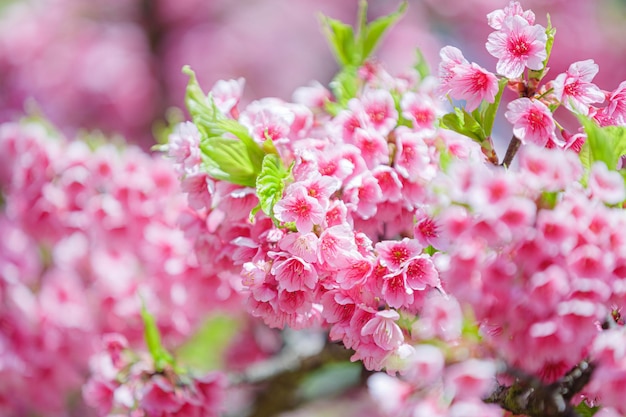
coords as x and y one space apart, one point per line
115 66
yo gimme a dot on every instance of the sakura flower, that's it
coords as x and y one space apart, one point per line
532 121
226 95
373 146
386 333
606 185
473 84
451 57
421 109
518 45
496 18
294 274
617 103
574 88
472 378
337 248
301 245
394 255
299 207
380 109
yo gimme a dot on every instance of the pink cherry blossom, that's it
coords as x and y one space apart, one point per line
497 17
421 109
518 45
606 185
616 108
532 121
383 328
299 207
574 88
451 58
294 274
473 84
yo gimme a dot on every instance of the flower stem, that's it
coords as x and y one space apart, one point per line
511 151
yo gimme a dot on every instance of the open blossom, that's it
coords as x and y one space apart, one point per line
532 121
472 83
616 108
451 58
518 45
299 207
574 87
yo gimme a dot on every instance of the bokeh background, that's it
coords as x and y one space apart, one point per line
115 66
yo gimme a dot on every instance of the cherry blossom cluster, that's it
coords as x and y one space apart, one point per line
541 276
87 234
385 221
330 257
522 48
124 383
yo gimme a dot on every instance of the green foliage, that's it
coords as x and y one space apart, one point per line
477 125
421 66
351 49
487 111
464 123
229 152
606 144
204 351
372 33
584 410
162 129
227 160
152 337
270 183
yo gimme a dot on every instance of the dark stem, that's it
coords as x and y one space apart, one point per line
531 397
511 151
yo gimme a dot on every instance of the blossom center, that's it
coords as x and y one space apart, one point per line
518 47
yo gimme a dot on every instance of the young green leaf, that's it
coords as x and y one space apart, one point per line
584 410
489 113
270 183
345 85
228 160
152 337
341 39
606 144
376 29
464 123
421 66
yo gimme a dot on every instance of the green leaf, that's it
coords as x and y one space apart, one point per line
606 144
345 85
489 113
376 29
200 107
270 183
340 36
235 160
421 66
228 160
204 350
464 123
584 410
152 337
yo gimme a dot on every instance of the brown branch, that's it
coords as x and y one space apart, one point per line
514 145
531 397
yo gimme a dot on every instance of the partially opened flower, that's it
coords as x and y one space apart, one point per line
574 88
